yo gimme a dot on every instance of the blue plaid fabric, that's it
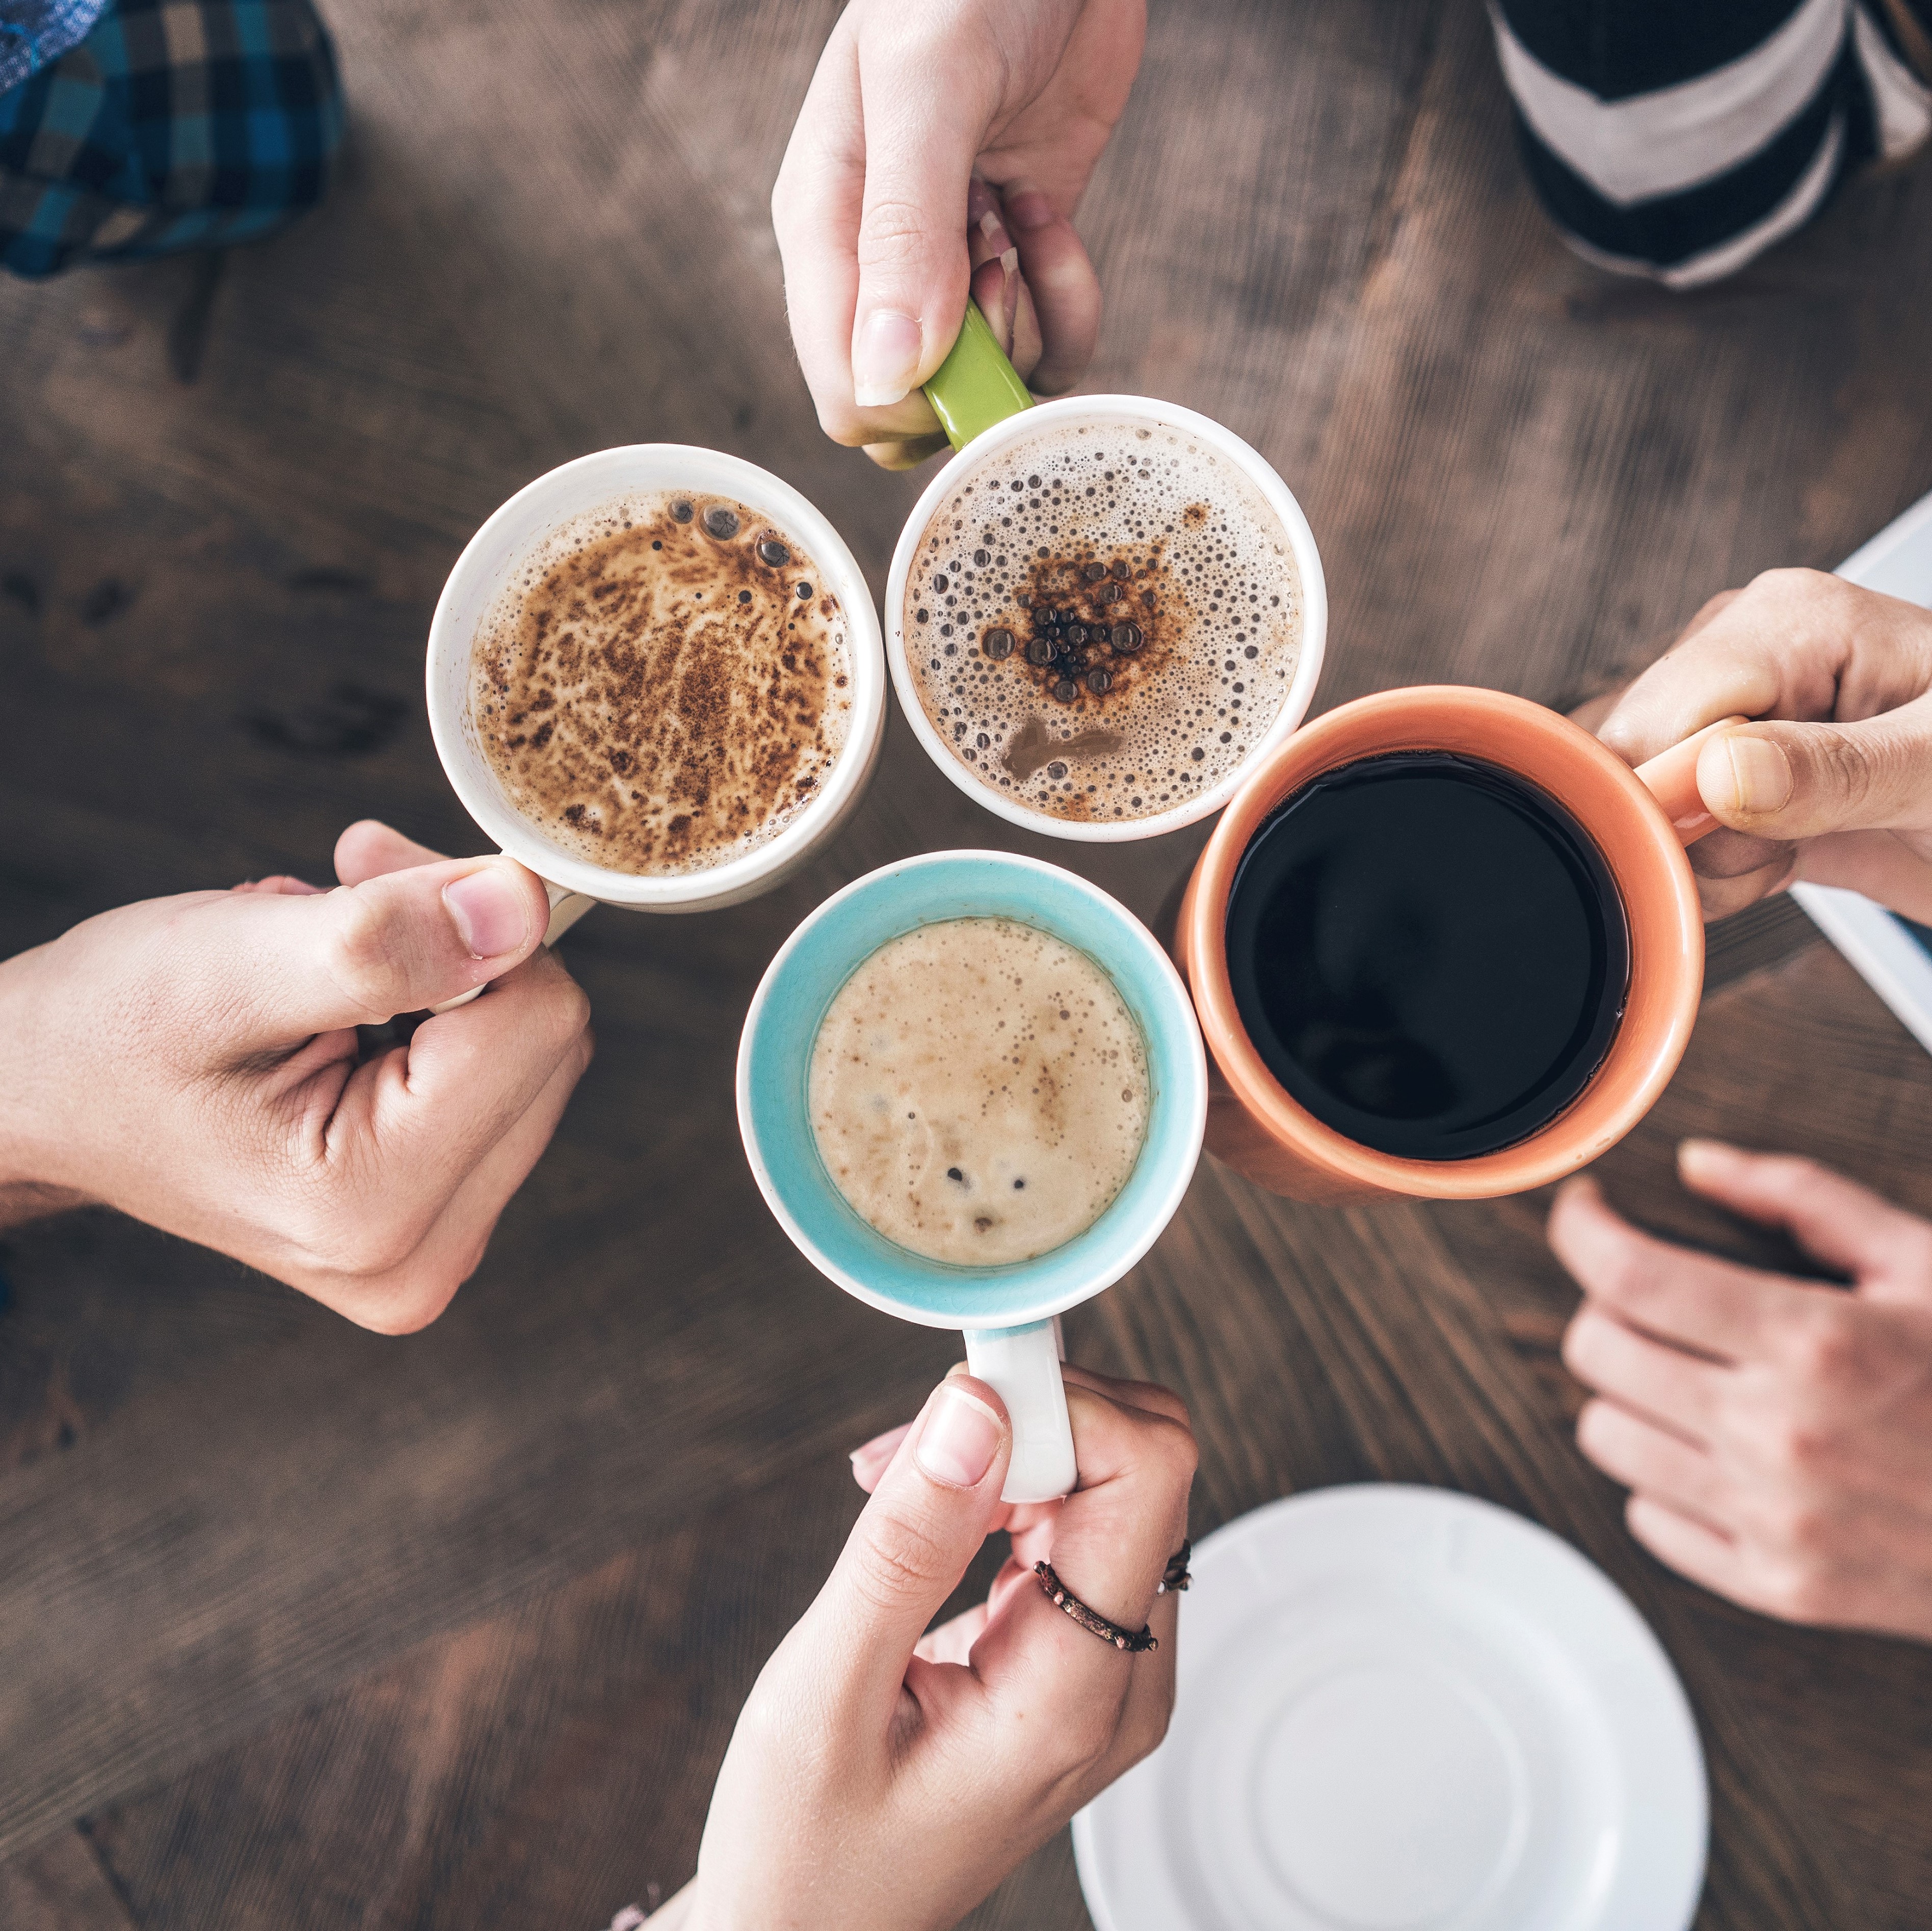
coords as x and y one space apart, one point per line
173 124
33 32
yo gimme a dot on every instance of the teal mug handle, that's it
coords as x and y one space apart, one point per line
975 386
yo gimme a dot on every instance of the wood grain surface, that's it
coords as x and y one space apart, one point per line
299 1626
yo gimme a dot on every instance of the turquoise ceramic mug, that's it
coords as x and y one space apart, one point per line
1006 1313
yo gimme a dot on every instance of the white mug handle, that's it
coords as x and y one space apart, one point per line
566 909
1022 1365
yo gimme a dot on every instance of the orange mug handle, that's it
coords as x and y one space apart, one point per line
1671 777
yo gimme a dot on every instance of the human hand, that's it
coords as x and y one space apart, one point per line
1776 1434
917 105
882 1779
1838 790
193 1062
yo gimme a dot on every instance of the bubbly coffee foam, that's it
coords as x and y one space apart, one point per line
664 685
979 1091
1103 620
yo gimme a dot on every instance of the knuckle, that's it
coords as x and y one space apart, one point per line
1800 1526
1794 584
1824 1352
1090 1733
1788 1445
410 1307
899 1559
1179 1453
1580 1340
1799 1591
1148 1731
568 1015
357 957
892 231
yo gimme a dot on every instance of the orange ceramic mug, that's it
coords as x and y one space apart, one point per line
1641 821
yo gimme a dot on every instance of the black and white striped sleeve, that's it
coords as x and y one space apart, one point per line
1679 139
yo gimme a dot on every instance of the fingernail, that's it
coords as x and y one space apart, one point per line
885 358
487 911
1028 209
1760 774
961 1436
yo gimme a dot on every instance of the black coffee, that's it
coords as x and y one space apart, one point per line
1429 952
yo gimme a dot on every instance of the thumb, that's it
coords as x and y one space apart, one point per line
358 955
926 1521
1792 781
912 247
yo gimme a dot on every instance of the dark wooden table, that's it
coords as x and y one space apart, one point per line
299 1626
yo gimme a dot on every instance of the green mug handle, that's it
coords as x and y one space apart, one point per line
975 386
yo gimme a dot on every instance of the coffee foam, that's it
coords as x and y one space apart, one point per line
1060 540
979 1091
653 695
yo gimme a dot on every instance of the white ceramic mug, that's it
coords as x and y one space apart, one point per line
486 566
986 444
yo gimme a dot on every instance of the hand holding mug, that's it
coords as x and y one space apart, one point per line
1831 782
192 1061
883 1779
1775 1435
912 109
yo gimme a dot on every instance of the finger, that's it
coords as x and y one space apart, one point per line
369 848
1110 1543
1691 1547
952 1641
401 1134
1690 1299
409 1293
1060 278
816 205
1794 644
1674 1390
1721 894
1800 781
870 1459
289 967
911 1544
913 267
1846 1226
1884 865
1651 1461
1148 1395
995 264
909 452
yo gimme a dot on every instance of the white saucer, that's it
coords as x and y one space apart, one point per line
1402 1709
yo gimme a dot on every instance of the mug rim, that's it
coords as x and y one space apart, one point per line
1165 1191
489 554
1667 930
1280 500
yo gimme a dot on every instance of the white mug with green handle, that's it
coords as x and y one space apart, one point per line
488 565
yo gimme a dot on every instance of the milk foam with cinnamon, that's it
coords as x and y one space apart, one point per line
664 685
1103 619
979 1091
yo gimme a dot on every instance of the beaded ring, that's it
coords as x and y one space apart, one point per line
1135 1643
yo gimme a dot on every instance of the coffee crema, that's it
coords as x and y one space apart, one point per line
664 685
979 1091
1102 621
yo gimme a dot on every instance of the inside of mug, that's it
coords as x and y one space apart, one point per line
519 538
775 1074
1642 855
